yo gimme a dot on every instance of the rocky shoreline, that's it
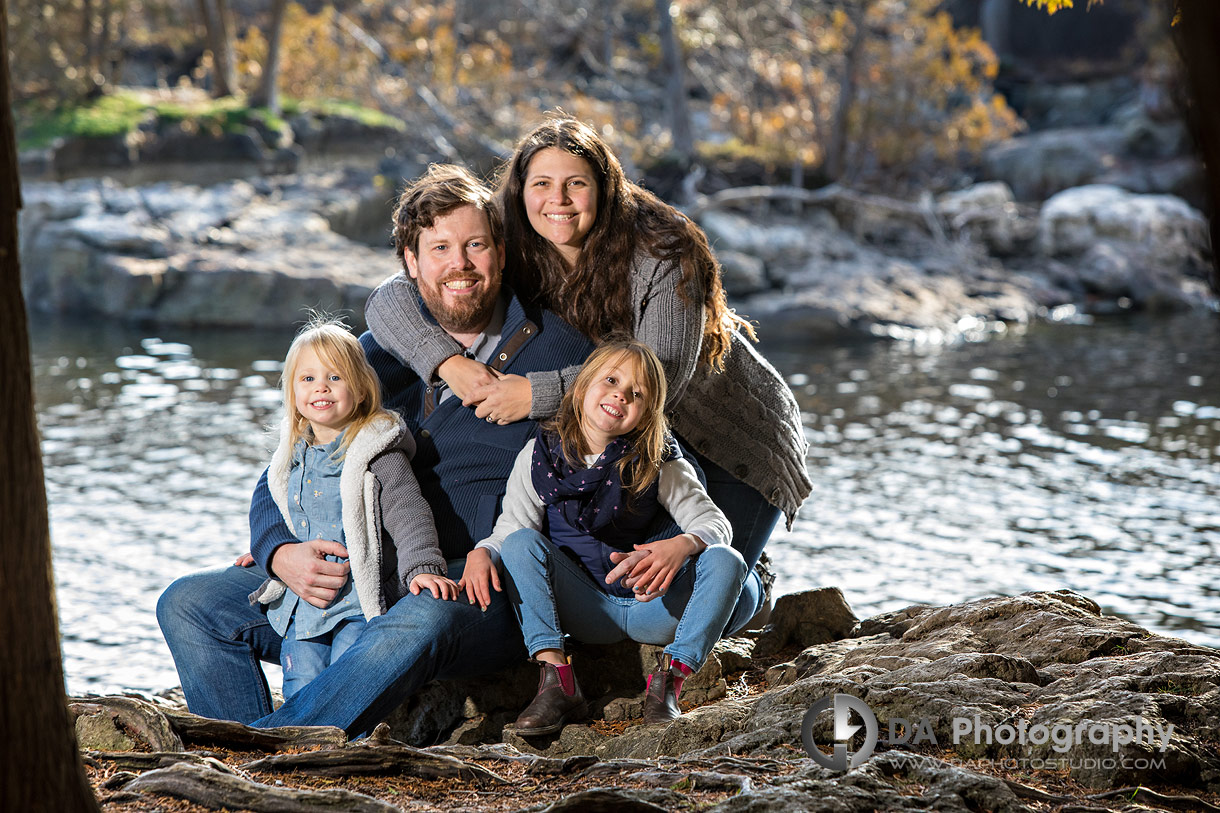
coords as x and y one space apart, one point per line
1023 703
256 253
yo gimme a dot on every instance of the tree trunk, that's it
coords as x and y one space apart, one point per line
836 155
995 24
1195 36
268 93
215 14
42 769
675 72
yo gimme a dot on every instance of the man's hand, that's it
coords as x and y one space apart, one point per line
245 560
440 586
464 374
504 400
478 577
304 568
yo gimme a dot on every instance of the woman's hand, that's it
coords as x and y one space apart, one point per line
245 560
439 586
464 374
479 577
506 399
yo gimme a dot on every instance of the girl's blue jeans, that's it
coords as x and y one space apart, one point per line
553 596
304 659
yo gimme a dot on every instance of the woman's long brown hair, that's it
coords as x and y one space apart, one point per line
595 295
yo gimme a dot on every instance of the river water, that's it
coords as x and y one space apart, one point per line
1061 456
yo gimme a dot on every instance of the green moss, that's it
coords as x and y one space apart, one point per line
350 110
124 111
104 117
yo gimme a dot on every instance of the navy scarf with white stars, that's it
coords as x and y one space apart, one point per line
591 499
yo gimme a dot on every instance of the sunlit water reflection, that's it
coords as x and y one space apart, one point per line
1070 456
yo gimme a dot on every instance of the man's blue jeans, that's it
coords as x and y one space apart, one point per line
218 638
554 596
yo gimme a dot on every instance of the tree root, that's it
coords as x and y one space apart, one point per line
205 786
360 759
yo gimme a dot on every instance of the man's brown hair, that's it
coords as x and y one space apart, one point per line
436 193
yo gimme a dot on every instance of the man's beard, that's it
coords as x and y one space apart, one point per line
466 316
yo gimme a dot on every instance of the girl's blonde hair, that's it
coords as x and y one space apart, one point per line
640 467
330 338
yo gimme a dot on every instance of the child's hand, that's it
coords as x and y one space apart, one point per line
245 560
478 574
652 576
440 586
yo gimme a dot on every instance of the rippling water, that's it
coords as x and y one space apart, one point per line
1085 457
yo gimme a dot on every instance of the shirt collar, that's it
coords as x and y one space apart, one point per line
487 341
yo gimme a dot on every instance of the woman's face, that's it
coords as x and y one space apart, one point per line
561 199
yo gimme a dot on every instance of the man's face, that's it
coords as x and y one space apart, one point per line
458 270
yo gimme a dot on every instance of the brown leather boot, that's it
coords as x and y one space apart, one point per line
661 698
552 708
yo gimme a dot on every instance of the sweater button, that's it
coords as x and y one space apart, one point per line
741 470
504 357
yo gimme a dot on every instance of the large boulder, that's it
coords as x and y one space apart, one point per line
234 254
987 214
1038 165
1149 249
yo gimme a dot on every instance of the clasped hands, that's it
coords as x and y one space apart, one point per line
497 397
650 569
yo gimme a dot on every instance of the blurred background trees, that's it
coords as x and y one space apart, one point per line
901 92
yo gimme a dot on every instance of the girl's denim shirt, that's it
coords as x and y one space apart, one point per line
316 509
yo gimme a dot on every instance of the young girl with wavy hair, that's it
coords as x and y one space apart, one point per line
581 498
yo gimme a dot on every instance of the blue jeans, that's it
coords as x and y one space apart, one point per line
553 596
752 517
303 659
217 639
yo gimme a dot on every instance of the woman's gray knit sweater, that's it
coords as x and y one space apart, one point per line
745 419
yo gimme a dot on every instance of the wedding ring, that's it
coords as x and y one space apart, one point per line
490 419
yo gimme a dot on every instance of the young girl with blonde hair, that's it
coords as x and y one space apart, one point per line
580 500
342 474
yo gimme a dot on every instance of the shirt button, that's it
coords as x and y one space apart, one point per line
424 433
302 523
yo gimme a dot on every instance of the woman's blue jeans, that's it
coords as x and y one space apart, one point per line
553 596
752 517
